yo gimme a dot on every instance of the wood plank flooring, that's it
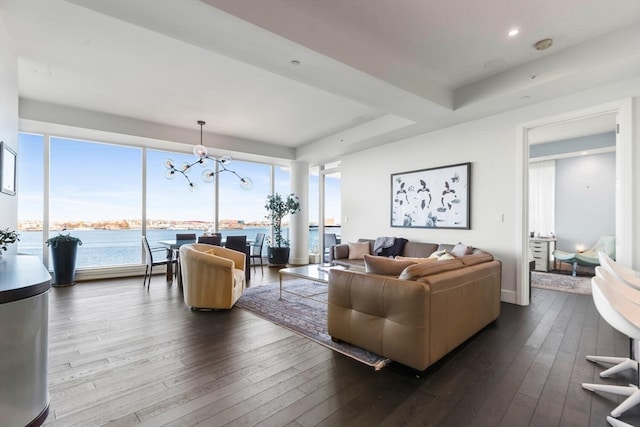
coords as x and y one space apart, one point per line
124 356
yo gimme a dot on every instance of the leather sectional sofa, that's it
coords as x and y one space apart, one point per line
413 311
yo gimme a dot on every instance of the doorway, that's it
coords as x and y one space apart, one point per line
622 111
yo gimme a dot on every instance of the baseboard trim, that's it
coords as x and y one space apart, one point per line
508 296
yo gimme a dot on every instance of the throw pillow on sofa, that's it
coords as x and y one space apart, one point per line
438 254
461 250
416 271
385 266
357 250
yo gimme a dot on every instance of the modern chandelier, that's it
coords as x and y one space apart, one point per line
207 175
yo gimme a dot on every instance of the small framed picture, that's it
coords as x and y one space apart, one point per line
7 169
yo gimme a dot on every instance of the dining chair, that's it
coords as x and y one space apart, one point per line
151 262
215 240
182 236
256 252
237 243
186 236
330 240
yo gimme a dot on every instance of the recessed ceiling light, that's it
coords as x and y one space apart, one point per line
543 44
513 32
295 62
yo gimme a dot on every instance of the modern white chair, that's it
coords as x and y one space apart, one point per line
617 423
623 315
627 275
621 363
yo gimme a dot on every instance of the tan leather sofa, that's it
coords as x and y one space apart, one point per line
213 277
419 316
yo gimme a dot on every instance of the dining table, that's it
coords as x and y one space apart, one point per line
173 246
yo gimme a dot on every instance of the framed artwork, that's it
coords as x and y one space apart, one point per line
432 198
7 169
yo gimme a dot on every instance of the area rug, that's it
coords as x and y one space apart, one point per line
561 282
305 315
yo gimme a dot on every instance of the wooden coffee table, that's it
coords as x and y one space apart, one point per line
310 272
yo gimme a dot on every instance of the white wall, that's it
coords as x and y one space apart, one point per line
8 122
585 200
490 144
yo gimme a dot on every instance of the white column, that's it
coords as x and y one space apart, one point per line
299 223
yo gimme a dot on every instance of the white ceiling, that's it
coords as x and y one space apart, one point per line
369 72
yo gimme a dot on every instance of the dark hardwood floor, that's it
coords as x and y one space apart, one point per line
124 356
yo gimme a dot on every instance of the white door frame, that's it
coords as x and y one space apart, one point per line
624 185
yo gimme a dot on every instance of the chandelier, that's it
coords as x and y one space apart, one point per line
207 175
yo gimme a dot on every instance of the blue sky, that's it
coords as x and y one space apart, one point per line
103 182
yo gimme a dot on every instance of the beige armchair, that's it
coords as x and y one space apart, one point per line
212 276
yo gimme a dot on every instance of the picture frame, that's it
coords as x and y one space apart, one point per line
432 198
7 169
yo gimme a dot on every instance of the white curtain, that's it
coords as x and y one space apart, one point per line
542 197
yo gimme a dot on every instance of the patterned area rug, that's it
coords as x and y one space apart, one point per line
561 282
306 316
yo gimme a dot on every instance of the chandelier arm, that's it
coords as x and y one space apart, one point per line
202 155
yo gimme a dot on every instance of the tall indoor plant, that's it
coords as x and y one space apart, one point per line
64 248
277 208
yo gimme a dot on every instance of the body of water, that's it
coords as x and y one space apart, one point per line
101 248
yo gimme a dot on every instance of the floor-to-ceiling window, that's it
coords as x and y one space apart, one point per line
108 195
314 209
173 206
30 180
332 193
242 211
95 193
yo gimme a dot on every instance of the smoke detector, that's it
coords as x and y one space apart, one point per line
543 44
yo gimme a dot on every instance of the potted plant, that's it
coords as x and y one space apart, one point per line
7 237
64 249
277 208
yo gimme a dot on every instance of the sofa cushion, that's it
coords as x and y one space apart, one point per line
385 266
416 259
418 249
415 271
357 250
461 250
445 256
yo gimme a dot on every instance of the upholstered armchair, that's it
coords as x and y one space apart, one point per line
213 277
588 258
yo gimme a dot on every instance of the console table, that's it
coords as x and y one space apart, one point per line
24 340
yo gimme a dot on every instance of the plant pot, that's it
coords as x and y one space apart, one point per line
63 256
278 256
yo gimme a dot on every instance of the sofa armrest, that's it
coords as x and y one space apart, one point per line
382 314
